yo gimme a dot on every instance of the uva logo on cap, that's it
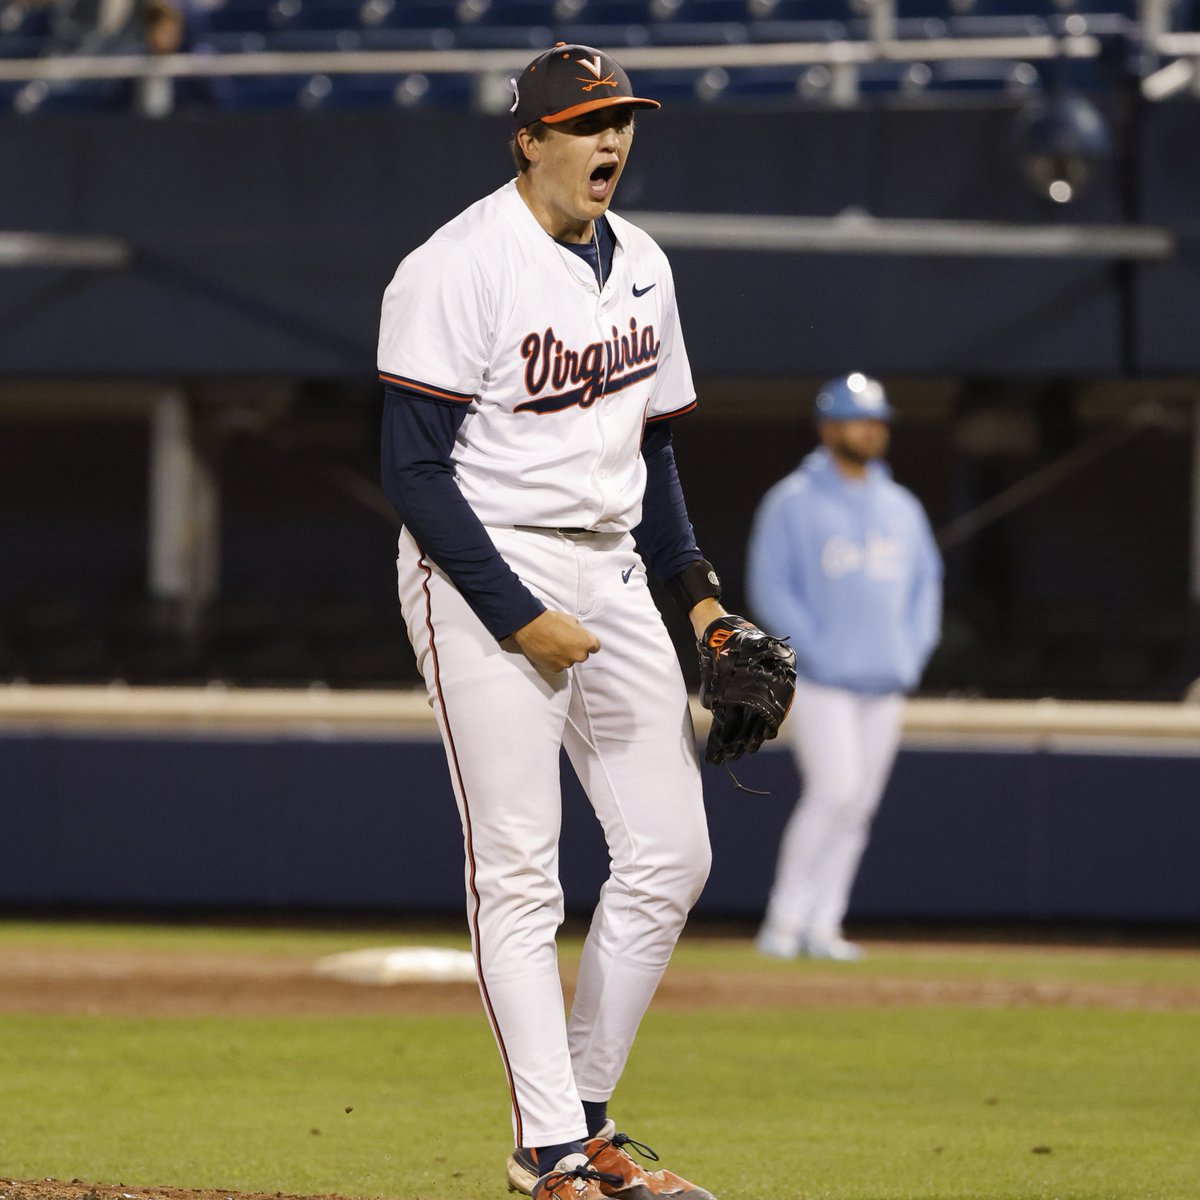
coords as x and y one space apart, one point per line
594 65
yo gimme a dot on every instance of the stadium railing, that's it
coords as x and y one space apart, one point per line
317 54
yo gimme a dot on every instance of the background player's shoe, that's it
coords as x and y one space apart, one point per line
837 949
606 1153
777 945
573 1179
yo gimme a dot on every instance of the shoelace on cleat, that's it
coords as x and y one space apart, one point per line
621 1140
554 1178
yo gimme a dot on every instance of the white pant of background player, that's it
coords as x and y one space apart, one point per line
845 744
623 718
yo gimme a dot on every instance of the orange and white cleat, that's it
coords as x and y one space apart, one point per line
621 1176
573 1179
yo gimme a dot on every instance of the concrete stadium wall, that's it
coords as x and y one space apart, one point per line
320 818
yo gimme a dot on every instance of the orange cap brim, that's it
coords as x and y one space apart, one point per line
577 110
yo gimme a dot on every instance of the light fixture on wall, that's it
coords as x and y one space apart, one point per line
1061 139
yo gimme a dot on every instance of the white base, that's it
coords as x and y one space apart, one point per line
405 964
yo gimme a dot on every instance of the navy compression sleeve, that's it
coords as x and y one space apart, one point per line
665 537
418 478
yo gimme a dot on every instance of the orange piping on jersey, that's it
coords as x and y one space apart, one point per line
679 412
400 381
468 837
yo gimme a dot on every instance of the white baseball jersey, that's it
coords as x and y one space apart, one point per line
561 375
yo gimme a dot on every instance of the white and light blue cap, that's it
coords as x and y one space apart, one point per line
853 397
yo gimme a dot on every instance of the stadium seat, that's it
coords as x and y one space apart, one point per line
711 12
19 46
384 37
337 92
618 12
509 13
607 37
688 86
892 78
18 19
797 31
44 98
1046 8
984 76
409 14
23 30
481 36
245 42
984 25
765 85
257 93
239 16
314 14
803 10
313 41
688 33
925 10
916 29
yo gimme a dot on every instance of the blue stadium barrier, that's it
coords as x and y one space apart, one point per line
288 822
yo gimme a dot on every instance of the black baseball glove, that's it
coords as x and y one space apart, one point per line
747 678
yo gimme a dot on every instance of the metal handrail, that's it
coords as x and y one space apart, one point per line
484 62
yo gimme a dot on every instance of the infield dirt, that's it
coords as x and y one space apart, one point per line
127 982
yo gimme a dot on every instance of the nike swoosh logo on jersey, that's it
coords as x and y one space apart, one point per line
626 574
637 291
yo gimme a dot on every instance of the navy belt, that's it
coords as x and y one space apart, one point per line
554 528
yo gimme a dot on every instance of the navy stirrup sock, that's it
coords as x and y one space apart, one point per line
595 1113
548 1157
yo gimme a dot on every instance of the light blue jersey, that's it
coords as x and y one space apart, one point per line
849 570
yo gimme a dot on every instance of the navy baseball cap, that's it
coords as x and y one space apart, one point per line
852 398
567 81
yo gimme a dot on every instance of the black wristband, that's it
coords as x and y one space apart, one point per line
697 581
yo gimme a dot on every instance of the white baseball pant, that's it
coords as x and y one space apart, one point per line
844 744
623 718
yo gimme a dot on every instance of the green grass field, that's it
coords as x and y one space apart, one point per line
928 1102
